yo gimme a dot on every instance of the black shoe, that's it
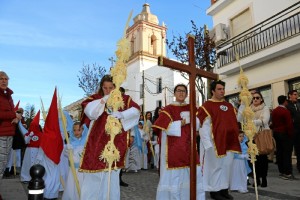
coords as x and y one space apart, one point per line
217 196
264 182
225 194
122 183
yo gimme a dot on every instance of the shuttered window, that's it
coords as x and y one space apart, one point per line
241 22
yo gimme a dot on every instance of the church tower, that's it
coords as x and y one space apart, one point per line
148 84
147 38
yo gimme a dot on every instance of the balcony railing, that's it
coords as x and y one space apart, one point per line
276 29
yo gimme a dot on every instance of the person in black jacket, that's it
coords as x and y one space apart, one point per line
294 108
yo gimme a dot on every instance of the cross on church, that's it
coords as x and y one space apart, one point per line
193 72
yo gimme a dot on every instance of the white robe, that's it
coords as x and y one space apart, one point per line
14 158
175 183
239 173
63 170
51 177
144 154
28 160
133 156
216 171
156 152
95 185
70 192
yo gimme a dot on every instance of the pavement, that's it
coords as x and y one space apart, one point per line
143 184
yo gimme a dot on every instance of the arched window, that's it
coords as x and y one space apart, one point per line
132 45
154 44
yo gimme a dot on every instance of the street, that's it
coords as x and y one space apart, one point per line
143 184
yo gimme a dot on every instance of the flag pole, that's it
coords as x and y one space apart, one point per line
63 119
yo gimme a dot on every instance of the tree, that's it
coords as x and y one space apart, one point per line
205 54
29 114
89 79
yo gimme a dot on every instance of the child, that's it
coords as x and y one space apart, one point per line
144 153
32 139
240 167
77 142
134 152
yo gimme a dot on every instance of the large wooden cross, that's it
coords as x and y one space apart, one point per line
193 72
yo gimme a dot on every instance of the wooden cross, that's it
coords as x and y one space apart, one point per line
193 72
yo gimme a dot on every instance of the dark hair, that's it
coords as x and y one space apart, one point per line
181 85
291 92
213 85
76 123
147 114
105 78
156 113
122 90
262 98
281 99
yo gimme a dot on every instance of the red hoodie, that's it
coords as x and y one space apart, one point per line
7 113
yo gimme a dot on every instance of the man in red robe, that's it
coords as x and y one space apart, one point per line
219 141
175 137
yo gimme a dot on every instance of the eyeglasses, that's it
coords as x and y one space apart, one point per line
183 91
256 98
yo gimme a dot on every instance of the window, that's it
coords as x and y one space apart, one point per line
159 85
241 22
153 44
234 100
132 45
158 103
267 95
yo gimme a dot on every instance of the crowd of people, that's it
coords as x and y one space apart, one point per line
160 142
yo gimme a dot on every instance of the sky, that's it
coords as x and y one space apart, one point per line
44 44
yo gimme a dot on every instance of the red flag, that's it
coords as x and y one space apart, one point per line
52 142
17 106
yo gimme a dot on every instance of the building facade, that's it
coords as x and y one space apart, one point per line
266 37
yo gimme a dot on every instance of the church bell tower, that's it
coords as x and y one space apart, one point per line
147 37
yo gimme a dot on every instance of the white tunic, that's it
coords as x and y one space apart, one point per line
14 158
28 160
63 170
239 173
51 177
216 171
175 183
70 192
133 156
144 153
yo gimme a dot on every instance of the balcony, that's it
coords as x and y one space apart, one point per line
276 36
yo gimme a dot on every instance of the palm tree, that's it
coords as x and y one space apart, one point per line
29 114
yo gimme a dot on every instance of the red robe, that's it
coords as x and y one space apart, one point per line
97 139
178 148
224 125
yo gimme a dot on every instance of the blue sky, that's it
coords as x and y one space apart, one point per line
44 44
